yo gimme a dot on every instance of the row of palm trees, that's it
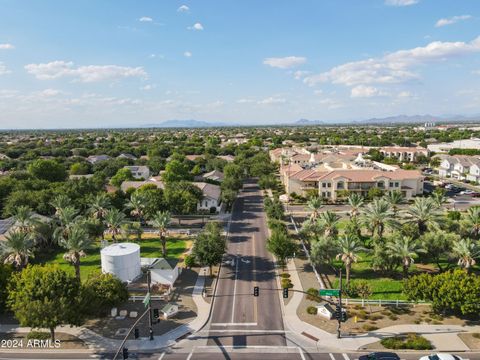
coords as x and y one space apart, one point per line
402 247
72 230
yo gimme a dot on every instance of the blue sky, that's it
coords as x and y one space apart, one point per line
130 63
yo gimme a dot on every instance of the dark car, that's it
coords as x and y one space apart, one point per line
380 356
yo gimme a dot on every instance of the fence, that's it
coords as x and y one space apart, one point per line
142 297
381 302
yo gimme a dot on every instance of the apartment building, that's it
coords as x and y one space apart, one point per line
404 154
460 167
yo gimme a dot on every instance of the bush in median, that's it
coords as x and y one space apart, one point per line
411 342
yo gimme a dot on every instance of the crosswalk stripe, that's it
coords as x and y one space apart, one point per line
345 356
331 356
161 356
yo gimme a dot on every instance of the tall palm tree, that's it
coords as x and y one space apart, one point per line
466 251
355 201
160 221
348 248
315 204
406 249
377 215
23 218
471 222
394 198
17 248
114 219
327 222
439 198
136 205
99 206
424 212
59 202
76 243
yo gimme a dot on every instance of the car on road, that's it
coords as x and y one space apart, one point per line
380 356
466 192
441 356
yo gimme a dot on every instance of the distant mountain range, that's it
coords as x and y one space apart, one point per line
187 124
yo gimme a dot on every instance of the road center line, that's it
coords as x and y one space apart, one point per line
235 288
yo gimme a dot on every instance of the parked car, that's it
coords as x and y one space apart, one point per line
380 356
476 194
441 356
467 192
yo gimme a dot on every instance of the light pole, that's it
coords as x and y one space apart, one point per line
150 320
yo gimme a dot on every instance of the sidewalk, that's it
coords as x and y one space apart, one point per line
98 342
443 337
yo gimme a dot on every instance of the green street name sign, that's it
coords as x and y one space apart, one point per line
146 300
329 292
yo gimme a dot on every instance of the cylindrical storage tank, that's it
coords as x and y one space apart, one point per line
122 260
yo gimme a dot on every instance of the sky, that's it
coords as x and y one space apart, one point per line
115 63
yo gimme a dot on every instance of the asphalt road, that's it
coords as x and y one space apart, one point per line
239 318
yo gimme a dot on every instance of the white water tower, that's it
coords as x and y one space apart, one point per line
122 260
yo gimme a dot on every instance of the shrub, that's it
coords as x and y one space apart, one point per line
101 292
312 310
38 335
190 261
285 275
362 314
476 335
313 295
411 341
393 317
368 327
286 283
375 317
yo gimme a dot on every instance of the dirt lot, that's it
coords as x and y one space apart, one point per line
67 341
472 340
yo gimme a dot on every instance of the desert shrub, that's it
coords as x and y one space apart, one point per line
286 283
368 327
476 335
411 341
393 317
313 295
38 335
312 310
375 317
190 261
285 275
362 314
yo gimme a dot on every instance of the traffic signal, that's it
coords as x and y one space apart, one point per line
125 353
338 312
285 293
344 316
156 314
136 333
256 290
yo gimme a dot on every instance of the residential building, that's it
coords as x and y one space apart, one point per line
404 154
460 167
214 175
457 144
139 172
93 159
127 156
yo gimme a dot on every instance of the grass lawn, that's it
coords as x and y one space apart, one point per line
149 247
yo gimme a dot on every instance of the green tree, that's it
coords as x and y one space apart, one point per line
101 292
48 170
355 201
209 246
394 198
314 204
466 251
45 297
80 168
17 248
280 245
438 245
99 205
182 197
6 272
122 175
471 221
377 215
348 249
76 243
176 171
327 223
406 250
323 251
160 221
136 205
424 212
114 219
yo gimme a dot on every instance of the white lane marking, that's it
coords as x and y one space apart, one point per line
235 289
190 355
331 356
301 353
247 331
345 356
235 324
161 356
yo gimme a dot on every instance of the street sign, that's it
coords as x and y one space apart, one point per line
146 300
329 292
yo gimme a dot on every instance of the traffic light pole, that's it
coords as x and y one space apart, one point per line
150 320
340 307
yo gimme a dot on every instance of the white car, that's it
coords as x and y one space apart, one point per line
467 192
441 356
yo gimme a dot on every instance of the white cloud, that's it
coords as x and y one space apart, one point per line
49 92
187 54
331 103
452 20
395 67
405 94
6 46
3 69
183 8
363 91
90 73
401 2
148 87
285 62
299 74
145 19
245 101
476 72
271 100
197 27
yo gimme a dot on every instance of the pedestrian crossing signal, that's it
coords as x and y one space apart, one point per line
285 293
125 353
256 291
136 333
156 314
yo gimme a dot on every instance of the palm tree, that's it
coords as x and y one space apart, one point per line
466 251
160 221
327 222
394 198
114 219
472 221
136 205
355 201
76 243
377 215
17 248
99 206
406 249
315 204
439 198
59 202
23 219
424 212
348 252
